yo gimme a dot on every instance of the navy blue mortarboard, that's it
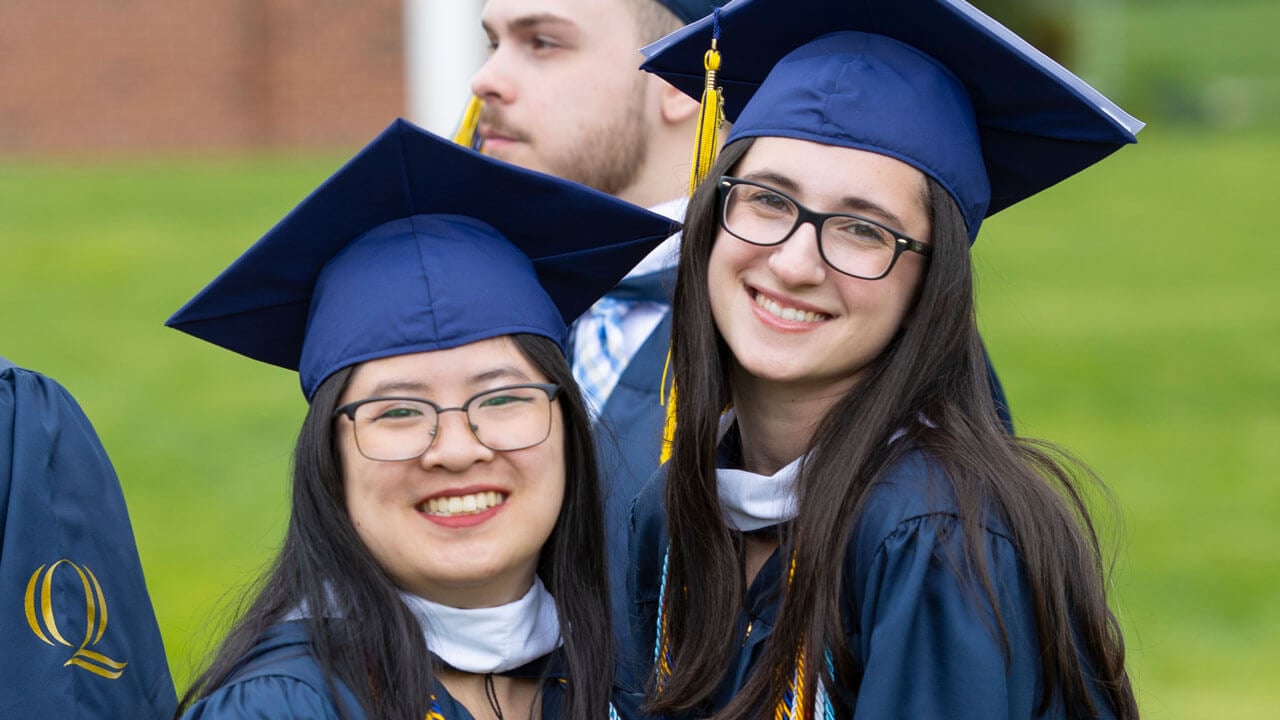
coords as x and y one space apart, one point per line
934 83
419 244
79 635
690 10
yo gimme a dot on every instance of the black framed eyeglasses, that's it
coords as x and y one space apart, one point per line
850 244
512 417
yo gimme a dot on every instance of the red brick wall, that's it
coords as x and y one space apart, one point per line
106 76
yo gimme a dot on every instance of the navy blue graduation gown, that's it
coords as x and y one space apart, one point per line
628 438
922 637
280 678
78 636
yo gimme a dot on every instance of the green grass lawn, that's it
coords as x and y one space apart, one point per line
92 261
1133 314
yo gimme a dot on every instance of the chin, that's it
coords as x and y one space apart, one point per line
779 370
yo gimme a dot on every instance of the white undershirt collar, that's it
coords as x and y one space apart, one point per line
493 639
751 501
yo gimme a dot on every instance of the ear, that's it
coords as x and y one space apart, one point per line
676 107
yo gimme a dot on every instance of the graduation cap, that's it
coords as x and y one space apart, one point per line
419 244
934 83
690 10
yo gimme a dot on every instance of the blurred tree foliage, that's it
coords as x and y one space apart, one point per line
1050 25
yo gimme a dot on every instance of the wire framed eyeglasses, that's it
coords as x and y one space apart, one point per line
512 417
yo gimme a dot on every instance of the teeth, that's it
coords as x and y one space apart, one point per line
462 504
790 314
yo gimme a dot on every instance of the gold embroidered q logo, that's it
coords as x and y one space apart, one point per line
44 624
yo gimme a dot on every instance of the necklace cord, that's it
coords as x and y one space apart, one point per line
491 695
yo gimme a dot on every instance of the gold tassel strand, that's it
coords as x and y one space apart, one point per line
667 398
710 119
706 146
466 133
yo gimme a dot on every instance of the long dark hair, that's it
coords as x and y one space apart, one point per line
324 564
934 368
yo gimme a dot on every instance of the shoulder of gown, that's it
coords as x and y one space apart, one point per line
917 618
279 678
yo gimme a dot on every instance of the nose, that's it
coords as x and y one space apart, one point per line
492 82
797 261
455 447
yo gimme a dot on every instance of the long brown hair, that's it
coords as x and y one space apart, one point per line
934 368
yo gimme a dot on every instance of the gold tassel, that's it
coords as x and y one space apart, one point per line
710 119
706 145
667 398
466 132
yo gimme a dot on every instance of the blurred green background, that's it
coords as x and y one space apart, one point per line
1133 313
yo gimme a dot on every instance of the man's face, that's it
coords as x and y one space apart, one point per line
562 90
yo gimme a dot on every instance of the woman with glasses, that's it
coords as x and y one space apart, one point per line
444 555
844 529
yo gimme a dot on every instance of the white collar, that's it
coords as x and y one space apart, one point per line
673 208
750 501
493 639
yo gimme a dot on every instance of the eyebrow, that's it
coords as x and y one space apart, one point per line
393 387
421 388
850 203
528 22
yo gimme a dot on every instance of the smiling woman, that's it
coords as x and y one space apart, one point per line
461 477
887 549
444 552
790 313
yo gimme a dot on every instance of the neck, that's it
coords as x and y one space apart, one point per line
506 698
777 420
665 173
492 593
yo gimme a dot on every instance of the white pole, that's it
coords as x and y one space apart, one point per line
443 46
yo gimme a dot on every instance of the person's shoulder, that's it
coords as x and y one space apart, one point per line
12 371
278 678
915 488
16 379
283 647
650 499
915 484
264 697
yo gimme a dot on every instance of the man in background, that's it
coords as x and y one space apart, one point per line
563 94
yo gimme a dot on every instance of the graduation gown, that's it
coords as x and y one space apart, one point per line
628 439
279 678
78 636
922 637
